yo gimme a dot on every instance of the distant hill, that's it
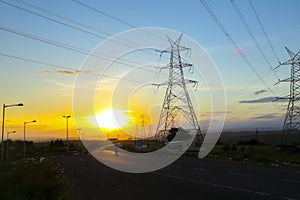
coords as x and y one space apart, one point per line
267 137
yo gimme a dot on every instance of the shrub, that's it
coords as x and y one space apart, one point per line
233 147
226 148
37 179
262 159
248 142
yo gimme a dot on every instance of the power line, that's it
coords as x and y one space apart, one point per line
61 67
264 31
47 41
115 18
251 83
250 110
64 18
72 48
36 61
239 124
73 27
105 14
132 26
127 43
231 40
242 89
242 113
233 43
70 26
244 22
253 109
53 20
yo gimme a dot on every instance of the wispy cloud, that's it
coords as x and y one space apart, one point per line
265 117
63 85
218 112
260 92
64 72
264 100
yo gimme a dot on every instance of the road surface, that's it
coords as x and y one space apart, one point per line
187 178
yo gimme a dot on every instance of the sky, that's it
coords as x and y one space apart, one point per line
45 43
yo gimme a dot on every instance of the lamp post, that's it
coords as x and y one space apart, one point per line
24 136
7 142
67 128
3 118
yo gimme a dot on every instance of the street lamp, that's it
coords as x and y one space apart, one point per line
67 129
3 117
7 142
24 135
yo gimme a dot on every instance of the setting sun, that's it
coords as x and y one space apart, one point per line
112 119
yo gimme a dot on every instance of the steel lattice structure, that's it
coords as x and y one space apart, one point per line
177 100
292 118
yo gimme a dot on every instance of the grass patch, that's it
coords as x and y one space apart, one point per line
256 153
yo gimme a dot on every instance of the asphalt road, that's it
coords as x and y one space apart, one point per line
187 178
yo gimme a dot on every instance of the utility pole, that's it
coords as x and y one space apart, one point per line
177 100
257 137
24 141
7 141
67 128
292 118
3 120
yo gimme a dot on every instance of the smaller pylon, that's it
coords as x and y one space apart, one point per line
143 130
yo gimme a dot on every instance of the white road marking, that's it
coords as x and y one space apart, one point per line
290 180
201 169
223 186
239 174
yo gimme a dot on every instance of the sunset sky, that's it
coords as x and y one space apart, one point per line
45 43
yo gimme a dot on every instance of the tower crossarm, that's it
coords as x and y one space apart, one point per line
292 54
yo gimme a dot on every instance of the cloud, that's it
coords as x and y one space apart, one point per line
260 92
218 112
264 100
64 72
66 85
266 117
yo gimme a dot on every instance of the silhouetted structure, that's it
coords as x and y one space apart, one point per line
292 118
177 100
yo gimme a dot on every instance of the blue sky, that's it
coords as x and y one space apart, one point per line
28 82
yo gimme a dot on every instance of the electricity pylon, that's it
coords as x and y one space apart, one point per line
292 118
177 100
143 130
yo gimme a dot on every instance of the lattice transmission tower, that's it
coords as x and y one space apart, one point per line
292 118
177 102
